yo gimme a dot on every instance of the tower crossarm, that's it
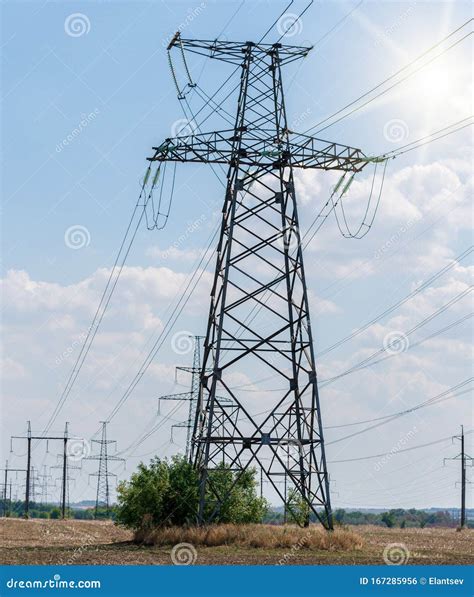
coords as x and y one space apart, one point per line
260 150
233 52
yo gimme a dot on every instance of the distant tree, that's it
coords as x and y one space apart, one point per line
84 514
55 513
388 518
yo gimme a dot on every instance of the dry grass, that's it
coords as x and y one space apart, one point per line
254 535
81 542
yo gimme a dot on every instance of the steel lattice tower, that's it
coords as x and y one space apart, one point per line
103 474
192 396
259 319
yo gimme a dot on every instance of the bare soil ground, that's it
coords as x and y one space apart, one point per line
58 542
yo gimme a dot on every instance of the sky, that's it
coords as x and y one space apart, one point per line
87 92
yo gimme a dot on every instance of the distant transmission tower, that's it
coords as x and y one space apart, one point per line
463 458
103 473
259 324
192 395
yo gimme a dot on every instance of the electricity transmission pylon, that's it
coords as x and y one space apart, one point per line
103 473
259 323
463 458
192 396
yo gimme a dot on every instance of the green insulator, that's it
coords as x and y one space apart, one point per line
375 159
347 185
155 178
147 176
339 182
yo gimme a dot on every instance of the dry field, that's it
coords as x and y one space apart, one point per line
58 542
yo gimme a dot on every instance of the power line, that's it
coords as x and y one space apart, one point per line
393 452
429 402
182 302
394 417
344 18
396 152
102 306
392 343
399 303
389 79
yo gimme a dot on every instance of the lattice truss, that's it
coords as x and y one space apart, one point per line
258 352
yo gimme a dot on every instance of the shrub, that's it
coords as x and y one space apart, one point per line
167 493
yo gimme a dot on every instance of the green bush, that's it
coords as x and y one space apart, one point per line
167 493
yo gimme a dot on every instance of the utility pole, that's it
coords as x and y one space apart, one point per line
6 471
30 437
259 321
462 457
103 474
63 501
